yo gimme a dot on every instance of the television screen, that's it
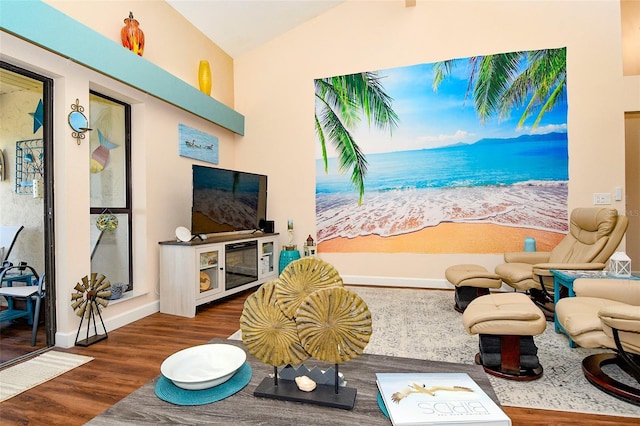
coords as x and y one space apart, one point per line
227 200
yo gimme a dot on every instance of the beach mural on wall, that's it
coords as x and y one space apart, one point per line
461 156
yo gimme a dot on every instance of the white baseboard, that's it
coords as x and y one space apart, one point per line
68 340
432 283
397 282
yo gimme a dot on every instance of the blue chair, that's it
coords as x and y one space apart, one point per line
8 237
31 294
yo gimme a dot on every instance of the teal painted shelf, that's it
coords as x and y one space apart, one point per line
51 29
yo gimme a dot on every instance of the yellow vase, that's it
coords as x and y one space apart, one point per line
204 77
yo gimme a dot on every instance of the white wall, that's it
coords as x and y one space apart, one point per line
274 89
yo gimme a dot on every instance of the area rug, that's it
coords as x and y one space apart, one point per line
423 324
31 373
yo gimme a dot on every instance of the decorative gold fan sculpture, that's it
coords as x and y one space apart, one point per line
334 324
301 278
306 312
266 332
91 294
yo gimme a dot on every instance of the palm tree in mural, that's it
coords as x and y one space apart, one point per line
499 83
341 103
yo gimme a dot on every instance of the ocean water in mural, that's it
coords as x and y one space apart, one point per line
518 182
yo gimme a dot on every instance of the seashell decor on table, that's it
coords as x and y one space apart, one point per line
305 384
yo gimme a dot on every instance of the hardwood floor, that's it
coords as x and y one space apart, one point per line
132 355
15 340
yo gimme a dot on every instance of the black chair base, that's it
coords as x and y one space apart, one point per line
544 302
523 375
465 295
509 357
592 368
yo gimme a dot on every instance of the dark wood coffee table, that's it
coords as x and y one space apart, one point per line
143 406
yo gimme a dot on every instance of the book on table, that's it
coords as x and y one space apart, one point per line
437 399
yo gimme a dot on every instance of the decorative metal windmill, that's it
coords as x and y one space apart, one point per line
91 294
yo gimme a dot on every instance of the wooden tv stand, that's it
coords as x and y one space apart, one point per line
197 272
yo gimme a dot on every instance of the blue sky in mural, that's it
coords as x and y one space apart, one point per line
443 164
430 119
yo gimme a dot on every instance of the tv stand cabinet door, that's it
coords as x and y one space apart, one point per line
267 258
178 270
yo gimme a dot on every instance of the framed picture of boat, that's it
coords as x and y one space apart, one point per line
193 143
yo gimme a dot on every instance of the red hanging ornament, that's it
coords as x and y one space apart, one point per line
132 36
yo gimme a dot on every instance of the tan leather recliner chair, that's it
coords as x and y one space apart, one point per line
594 234
606 314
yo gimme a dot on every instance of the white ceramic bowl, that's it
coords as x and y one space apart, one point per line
204 366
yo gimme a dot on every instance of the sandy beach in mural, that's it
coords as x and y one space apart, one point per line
445 220
447 238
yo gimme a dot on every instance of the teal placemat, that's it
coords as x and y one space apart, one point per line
383 408
167 391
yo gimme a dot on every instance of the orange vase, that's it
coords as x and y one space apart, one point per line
132 36
204 77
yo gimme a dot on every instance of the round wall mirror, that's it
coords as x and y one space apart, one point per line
78 121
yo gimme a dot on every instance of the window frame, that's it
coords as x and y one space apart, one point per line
128 208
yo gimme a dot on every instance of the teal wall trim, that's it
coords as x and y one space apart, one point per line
45 26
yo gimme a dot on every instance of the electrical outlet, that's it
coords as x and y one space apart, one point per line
37 187
600 198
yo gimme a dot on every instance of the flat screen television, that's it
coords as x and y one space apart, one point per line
227 200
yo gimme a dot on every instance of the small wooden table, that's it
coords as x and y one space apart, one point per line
144 407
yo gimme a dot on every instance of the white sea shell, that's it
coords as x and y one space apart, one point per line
305 384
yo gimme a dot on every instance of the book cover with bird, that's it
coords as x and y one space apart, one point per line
437 399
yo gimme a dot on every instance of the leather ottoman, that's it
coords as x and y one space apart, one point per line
471 281
506 323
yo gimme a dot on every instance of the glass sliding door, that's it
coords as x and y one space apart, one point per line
26 191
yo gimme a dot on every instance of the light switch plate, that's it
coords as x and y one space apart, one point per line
601 198
618 196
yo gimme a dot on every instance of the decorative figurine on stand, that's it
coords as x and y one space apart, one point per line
290 246
289 251
91 295
309 247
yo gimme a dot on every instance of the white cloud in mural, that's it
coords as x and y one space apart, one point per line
446 139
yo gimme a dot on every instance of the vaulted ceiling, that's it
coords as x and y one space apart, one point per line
238 26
